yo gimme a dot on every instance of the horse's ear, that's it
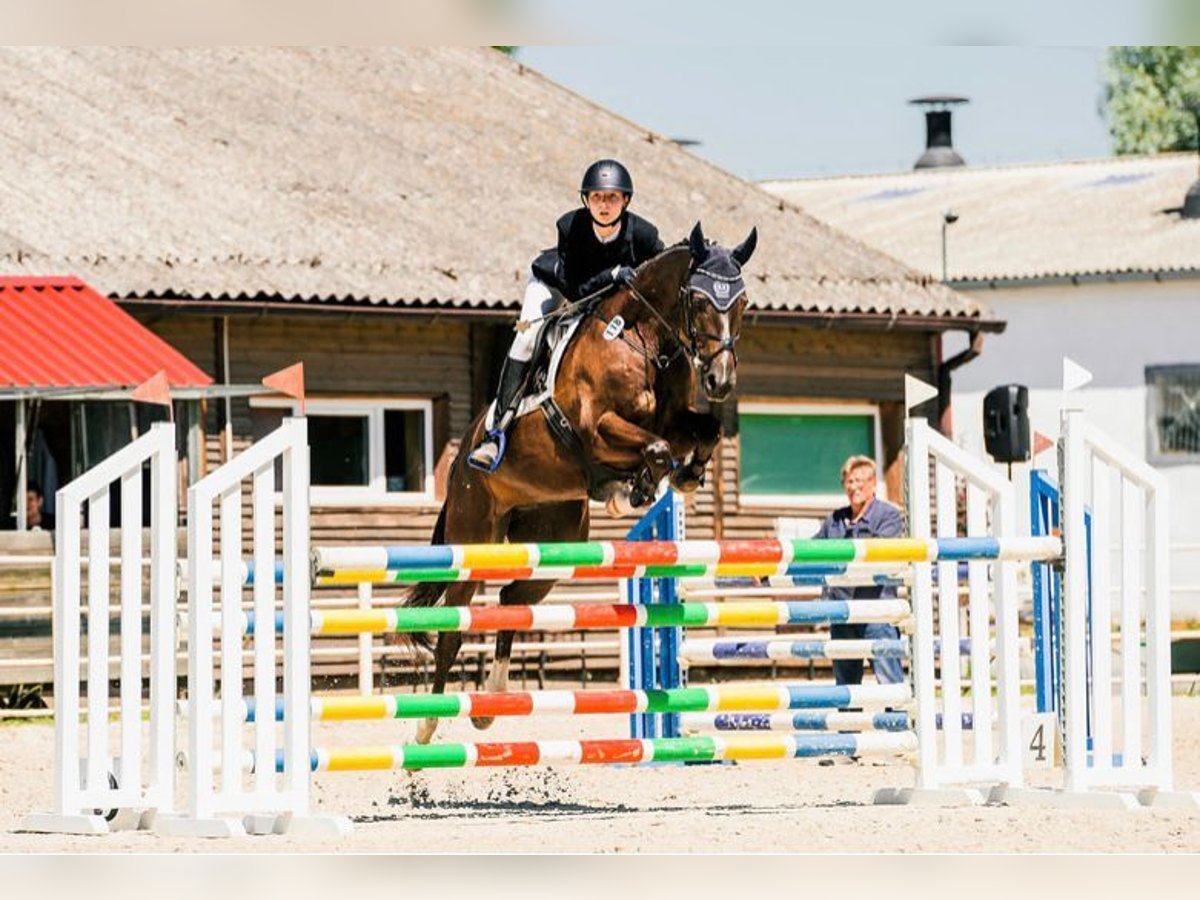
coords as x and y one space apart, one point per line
743 251
696 242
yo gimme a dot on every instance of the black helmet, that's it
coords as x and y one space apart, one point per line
606 175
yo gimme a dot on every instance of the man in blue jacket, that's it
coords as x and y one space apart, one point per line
866 517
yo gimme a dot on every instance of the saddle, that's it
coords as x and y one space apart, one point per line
537 395
553 338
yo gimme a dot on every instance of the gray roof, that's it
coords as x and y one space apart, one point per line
403 176
1099 217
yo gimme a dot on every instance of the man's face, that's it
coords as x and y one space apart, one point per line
860 486
606 206
33 506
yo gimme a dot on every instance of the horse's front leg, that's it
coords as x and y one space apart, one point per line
621 443
694 437
517 593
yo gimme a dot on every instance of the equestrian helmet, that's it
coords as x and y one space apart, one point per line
606 175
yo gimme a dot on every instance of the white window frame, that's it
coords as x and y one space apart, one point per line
375 492
811 501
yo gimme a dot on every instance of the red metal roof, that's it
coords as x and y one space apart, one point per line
58 332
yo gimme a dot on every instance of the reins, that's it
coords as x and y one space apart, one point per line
660 361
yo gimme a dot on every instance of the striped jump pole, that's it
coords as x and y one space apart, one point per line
719 698
818 575
821 720
798 575
719 650
806 721
650 559
707 748
591 616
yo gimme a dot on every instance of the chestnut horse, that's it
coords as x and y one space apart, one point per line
625 385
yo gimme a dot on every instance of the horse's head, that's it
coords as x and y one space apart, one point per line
713 297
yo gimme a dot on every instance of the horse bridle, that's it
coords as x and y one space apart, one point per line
725 344
722 291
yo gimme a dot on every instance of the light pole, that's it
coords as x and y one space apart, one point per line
949 217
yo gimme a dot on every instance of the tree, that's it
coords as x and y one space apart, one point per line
1147 96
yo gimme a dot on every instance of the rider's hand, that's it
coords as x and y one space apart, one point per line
623 275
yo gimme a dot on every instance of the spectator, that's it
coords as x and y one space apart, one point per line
34 503
866 517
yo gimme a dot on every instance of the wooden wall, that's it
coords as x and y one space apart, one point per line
456 361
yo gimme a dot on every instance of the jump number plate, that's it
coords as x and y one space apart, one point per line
614 329
1039 732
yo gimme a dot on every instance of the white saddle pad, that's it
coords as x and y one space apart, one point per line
559 340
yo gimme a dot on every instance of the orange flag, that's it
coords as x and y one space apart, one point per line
1041 443
288 381
155 389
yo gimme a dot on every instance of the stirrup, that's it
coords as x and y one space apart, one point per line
501 438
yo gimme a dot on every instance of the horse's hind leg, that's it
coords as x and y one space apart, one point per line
558 522
466 523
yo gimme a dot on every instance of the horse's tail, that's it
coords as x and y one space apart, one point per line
428 593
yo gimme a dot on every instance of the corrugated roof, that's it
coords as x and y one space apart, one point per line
58 332
1089 217
389 175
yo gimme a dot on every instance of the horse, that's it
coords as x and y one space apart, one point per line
622 404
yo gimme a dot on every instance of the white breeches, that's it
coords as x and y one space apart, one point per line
539 300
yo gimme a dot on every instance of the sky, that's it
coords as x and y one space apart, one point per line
766 111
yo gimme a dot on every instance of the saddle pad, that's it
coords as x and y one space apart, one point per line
560 340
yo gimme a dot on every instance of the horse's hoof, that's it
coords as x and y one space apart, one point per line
425 731
483 723
686 481
618 505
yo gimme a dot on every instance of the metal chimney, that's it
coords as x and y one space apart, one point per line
939 149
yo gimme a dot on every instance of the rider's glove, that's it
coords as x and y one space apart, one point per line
605 279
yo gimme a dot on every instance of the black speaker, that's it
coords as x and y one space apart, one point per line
1006 423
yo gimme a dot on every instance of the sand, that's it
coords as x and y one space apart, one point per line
792 806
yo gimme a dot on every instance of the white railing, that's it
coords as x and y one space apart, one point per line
218 790
1093 466
946 760
94 777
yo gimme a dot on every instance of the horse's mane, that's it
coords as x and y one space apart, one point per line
661 277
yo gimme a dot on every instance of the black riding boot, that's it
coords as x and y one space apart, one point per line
488 454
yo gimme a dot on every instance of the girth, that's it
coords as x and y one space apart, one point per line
598 474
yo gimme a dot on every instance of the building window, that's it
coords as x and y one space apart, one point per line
792 454
1174 411
362 452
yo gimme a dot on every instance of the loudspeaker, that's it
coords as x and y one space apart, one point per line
1006 423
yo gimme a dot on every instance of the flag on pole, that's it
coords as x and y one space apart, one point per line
917 392
289 381
1041 444
155 389
1074 375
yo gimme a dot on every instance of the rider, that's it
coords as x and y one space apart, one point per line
599 245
